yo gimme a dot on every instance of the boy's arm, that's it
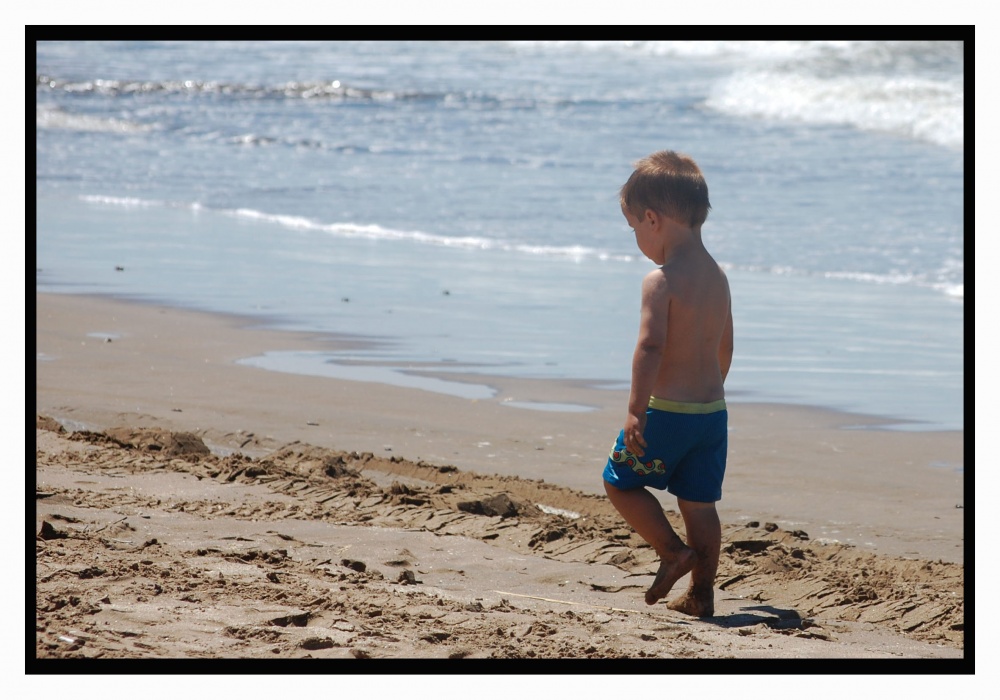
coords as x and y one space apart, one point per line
647 357
726 345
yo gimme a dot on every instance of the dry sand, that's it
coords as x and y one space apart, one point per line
189 507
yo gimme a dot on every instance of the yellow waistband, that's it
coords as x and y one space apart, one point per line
684 407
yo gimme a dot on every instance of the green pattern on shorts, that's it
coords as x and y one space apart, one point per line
653 466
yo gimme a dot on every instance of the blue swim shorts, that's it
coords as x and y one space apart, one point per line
685 452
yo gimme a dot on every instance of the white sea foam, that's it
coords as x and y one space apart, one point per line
376 232
575 253
921 108
894 278
743 50
51 117
299 222
892 87
873 55
952 290
120 201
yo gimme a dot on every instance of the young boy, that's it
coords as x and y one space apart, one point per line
675 434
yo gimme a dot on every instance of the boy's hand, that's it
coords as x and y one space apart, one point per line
634 428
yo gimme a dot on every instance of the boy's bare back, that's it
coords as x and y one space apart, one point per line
688 299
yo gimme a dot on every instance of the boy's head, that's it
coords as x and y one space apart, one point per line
669 183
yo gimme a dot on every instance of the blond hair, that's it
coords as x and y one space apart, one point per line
669 183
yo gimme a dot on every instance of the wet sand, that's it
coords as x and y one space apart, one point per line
191 507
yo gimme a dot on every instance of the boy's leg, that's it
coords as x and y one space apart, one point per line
704 535
644 513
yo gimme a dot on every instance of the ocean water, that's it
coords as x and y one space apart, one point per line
455 203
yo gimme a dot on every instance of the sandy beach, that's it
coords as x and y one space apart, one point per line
188 507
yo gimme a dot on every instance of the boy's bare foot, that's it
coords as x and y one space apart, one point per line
694 604
670 570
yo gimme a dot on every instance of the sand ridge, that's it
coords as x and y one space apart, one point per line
151 545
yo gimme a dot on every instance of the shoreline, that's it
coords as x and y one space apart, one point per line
897 406
103 362
284 356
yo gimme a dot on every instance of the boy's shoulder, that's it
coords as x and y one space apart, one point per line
656 285
658 275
